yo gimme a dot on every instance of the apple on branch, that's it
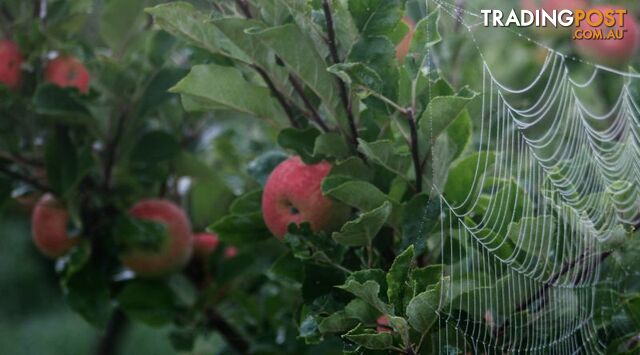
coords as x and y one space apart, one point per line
67 71
293 194
10 63
174 251
49 223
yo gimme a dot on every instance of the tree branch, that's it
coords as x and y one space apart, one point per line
565 269
112 147
26 179
279 96
110 340
315 116
244 7
342 87
415 151
217 322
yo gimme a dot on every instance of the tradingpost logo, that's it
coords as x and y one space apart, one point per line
592 24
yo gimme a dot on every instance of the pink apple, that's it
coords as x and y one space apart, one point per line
175 250
204 244
49 223
613 52
402 49
10 62
383 324
67 71
293 194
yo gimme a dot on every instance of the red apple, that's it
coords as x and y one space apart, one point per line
293 194
230 252
10 62
49 227
67 71
383 324
175 250
403 47
204 244
611 51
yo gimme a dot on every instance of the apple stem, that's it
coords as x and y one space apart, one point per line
217 322
342 87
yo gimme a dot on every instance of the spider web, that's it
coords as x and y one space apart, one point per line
553 181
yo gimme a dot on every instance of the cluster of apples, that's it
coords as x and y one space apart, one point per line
50 219
63 71
611 52
292 194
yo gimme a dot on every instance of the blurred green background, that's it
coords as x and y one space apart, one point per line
34 318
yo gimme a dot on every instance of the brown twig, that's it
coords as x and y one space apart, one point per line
26 179
244 7
217 322
279 96
342 87
415 151
315 116
565 269
110 340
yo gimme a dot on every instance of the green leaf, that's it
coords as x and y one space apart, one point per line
61 162
441 112
376 17
355 193
64 103
368 292
247 203
182 20
240 229
353 167
208 200
288 270
427 276
261 167
312 247
297 51
422 309
459 134
362 230
358 74
421 215
131 233
379 54
301 141
120 20
369 338
465 176
157 91
331 144
426 35
148 302
398 278
383 153
87 292
225 86
155 147
338 322
361 310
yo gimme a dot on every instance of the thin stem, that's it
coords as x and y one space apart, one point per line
315 116
369 255
110 340
112 147
342 87
232 337
26 179
279 96
415 151
244 7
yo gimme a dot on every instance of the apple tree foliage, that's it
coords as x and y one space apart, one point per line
198 102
